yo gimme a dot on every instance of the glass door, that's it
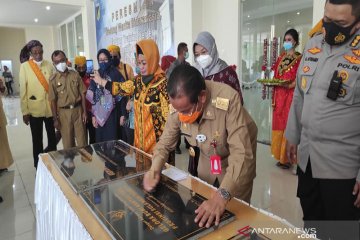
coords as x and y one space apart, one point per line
264 23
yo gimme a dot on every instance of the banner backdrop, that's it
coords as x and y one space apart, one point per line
124 22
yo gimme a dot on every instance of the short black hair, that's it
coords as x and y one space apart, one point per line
355 4
188 79
294 34
57 53
181 47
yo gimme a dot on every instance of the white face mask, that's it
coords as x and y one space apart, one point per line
61 67
38 63
204 60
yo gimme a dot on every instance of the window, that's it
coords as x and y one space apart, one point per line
72 39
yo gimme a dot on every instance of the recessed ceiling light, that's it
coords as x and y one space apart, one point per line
248 16
48 7
36 20
298 13
288 21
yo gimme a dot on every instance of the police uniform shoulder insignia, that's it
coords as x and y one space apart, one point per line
222 103
355 41
306 69
303 82
314 50
352 59
172 110
356 52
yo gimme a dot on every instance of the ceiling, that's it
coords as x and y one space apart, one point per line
23 13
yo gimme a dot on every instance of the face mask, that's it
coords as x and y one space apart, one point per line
38 63
82 74
184 118
115 61
288 46
137 70
204 60
336 35
104 65
186 55
61 67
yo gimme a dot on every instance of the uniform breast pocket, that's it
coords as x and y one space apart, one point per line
306 76
60 88
74 83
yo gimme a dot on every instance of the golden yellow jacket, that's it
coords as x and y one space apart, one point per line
33 97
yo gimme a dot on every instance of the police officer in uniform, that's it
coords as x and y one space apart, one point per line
210 116
323 127
67 96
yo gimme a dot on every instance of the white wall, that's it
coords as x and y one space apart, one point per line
89 30
45 35
12 40
183 34
192 17
318 10
221 20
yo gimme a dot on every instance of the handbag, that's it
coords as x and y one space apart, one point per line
102 104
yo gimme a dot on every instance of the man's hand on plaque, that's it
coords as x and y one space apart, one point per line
210 210
151 179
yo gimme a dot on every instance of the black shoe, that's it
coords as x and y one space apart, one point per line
177 151
3 170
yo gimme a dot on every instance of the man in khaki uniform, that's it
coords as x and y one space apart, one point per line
208 113
67 96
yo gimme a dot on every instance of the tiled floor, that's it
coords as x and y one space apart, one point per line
274 188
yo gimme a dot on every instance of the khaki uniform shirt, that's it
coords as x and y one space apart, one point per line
327 131
227 121
34 98
66 88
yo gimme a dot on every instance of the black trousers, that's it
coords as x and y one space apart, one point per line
328 206
36 126
9 88
90 129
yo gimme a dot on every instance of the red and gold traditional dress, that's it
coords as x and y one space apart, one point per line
285 69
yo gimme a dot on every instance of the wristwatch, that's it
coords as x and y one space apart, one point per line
224 194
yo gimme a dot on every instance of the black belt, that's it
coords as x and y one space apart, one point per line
72 106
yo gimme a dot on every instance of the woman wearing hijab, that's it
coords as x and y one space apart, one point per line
106 109
209 64
151 102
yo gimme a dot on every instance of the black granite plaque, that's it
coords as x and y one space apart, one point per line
129 212
100 163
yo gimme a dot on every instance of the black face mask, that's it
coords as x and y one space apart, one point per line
115 61
336 35
82 74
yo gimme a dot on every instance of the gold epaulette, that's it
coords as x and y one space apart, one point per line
355 41
316 30
221 103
